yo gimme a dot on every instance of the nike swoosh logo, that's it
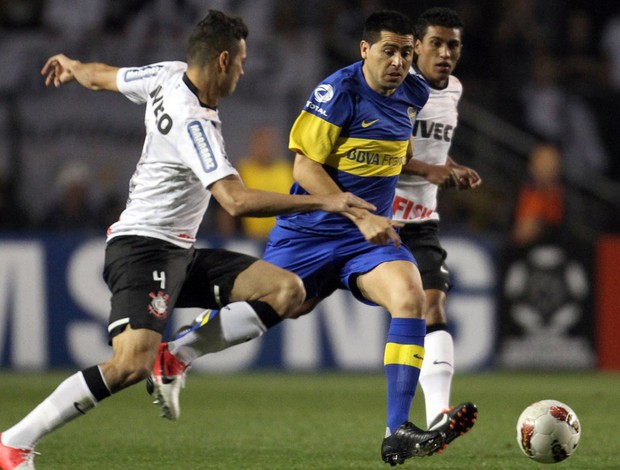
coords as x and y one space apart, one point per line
79 407
417 356
442 422
368 124
436 362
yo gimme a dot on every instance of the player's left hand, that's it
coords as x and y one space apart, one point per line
465 177
378 230
345 202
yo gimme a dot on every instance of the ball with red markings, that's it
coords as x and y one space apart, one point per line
548 431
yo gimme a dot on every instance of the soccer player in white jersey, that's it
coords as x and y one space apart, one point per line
437 51
151 265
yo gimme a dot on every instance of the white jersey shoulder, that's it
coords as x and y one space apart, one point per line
416 198
183 154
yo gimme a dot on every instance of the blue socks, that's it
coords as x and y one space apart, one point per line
404 353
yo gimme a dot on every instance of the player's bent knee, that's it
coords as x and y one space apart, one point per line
290 295
409 305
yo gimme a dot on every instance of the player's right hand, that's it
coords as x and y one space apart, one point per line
441 175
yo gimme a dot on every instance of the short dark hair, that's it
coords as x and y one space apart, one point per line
437 16
214 34
386 20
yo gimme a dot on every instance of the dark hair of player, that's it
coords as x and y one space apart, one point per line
386 20
214 34
437 16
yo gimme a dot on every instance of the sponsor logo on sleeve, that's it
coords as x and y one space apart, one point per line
142 72
323 93
201 145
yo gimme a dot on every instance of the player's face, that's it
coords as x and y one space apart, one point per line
387 61
437 54
235 70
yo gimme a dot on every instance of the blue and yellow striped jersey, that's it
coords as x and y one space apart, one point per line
360 137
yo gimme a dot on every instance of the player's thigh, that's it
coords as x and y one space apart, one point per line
396 286
267 282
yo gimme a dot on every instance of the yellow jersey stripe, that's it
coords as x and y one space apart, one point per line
313 137
321 141
405 354
362 157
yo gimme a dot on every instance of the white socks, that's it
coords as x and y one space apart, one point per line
437 372
71 399
235 323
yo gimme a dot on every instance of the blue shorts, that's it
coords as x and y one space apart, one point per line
326 263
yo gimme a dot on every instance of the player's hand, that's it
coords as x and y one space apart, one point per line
441 175
346 203
58 70
378 230
466 178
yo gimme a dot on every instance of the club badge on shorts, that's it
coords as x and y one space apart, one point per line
159 305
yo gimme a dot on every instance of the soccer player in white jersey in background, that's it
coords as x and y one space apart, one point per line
437 51
151 265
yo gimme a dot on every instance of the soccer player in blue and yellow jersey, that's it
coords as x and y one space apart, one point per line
354 135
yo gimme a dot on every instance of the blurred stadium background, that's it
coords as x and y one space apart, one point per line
532 70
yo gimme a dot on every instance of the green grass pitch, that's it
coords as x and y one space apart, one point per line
309 421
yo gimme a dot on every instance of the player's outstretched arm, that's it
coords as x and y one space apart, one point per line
60 69
239 200
313 178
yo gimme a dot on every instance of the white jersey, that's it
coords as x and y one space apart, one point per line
183 154
416 199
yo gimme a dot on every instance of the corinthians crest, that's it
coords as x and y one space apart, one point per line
159 305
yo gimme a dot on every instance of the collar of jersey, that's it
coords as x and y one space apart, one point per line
194 90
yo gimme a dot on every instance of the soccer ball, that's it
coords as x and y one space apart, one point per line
548 431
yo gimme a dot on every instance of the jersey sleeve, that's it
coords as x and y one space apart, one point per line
317 128
201 146
313 137
137 82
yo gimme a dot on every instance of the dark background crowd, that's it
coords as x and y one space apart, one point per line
536 73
